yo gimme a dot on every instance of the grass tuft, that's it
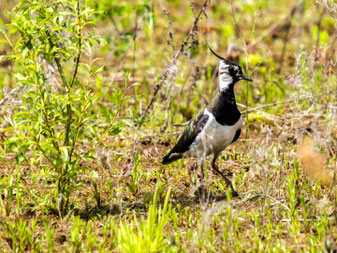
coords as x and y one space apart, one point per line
313 162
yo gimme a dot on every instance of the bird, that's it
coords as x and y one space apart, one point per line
214 127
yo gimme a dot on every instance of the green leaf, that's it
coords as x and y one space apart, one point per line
100 69
105 112
4 41
64 151
2 28
115 131
93 174
2 57
20 158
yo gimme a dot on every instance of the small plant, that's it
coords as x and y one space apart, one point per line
19 237
55 118
49 235
146 235
95 192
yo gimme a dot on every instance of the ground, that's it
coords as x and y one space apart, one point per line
283 164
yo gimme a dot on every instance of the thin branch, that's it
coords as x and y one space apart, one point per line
284 49
134 39
69 111
271 105
57 61
48 127
246 54
79 36
330 10
318 35
174 61
271 28
115 25
299 31
282 103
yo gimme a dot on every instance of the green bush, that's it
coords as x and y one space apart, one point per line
55 117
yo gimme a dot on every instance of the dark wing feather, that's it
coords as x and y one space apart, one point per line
237 135
193 128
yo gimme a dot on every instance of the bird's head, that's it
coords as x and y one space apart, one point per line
229 73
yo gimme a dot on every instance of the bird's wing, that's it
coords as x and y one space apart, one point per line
191 131
237 135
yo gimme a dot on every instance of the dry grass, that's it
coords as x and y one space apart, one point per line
314 163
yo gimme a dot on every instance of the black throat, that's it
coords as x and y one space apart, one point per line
223 107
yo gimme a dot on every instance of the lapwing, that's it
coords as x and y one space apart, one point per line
216 126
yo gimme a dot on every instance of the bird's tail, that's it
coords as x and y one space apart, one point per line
169 158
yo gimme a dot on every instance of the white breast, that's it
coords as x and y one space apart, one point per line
213 138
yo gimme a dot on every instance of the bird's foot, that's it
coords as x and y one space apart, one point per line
235 194
193 167
200 193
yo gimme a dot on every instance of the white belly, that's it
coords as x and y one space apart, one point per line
213 138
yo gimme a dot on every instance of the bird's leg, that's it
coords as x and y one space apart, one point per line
202 186
191 169
228 182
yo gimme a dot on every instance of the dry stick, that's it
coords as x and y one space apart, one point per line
333 45
270 29
57 61
284 49
245 48
318 35
115 24
271 105
331 10
300 26
284 102
134 38
170 43
257 12
173 62
9 94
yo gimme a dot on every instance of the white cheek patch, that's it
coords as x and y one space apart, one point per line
224 82
224 79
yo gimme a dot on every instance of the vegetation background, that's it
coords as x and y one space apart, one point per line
94 93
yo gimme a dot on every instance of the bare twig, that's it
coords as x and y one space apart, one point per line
168 27
170 43
134 38
300 25
288 26
330 10
115 24
246 54
272 28
318 36
58 62
9 94
281 103
164 76
79 36
271 105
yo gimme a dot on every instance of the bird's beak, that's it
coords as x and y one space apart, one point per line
244 77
